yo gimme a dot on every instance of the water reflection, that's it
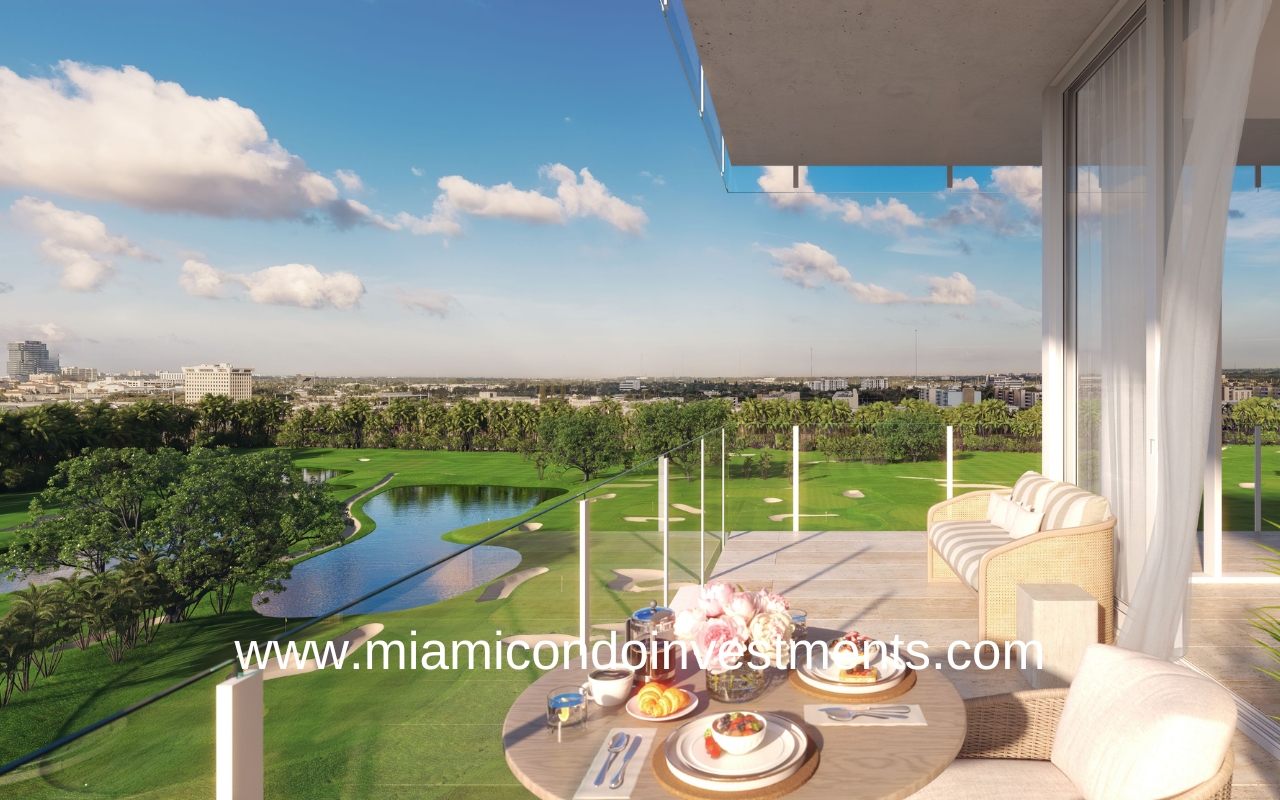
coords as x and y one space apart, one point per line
411 520
320 475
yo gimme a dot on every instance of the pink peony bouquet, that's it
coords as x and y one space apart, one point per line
728 628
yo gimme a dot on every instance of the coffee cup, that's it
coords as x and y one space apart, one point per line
609 686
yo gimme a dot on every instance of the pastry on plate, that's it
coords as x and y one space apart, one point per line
858 675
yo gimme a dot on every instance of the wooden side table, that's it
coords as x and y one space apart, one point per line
1063 618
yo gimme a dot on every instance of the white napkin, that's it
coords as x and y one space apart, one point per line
587 790
814 716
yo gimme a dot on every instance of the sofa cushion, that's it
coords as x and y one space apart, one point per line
1030 490
962 544
1136 727
999 779
1020 522
1067 506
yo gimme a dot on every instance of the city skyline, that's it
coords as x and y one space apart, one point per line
573 223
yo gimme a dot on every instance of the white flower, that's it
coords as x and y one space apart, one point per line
715 598
688 622
771 631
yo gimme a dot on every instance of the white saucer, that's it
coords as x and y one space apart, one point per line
827 670
896 675
633 708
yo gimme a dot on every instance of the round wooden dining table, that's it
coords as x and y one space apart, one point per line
873 762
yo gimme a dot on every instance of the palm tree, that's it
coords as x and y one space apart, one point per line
40 612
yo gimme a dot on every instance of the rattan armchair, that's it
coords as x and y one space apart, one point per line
1084 556
1022 725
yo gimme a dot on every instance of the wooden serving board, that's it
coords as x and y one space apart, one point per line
900 688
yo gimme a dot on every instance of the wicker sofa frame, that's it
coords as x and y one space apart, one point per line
1023 724
1084 556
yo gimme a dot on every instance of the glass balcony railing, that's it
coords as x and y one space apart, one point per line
147 725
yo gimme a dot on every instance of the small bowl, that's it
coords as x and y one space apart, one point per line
741 745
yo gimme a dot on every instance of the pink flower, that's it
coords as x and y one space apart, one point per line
740 625
743 604
769 630
710 643
688 622
768 601
715 598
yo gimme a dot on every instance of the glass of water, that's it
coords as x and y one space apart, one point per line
801 622
566 710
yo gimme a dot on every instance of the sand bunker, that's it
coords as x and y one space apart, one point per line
773 499
686 509
362 459
628 485
1246 485
354 637
652 519
603 497
629 580
501 590
529 527
853 493
781 517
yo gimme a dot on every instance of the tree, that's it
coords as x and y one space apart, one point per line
664 426
591 442
766 460
914 435
105 497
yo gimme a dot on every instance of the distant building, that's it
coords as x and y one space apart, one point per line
779 395
1005 381
850 397
874 384
80 373
950 398
630 385
1018 398
217 379
829 385
487 395
1234 394
29 357
1264 390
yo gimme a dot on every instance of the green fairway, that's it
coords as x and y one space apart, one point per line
13 511
419 733
1237 501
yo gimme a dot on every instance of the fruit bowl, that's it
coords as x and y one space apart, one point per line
741 743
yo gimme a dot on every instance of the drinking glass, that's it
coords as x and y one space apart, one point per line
800 620
566 710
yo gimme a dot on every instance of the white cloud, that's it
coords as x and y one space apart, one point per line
1009 206
586 198
299 285
1255 217
780 185
657 180
75 241
120 135
811 267
5 288
350 180
418 173
202 280
426 301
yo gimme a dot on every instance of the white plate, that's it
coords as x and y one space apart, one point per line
849 688
891 669
633 708
736 773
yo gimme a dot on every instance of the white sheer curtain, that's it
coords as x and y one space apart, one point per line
1111 129
1221 39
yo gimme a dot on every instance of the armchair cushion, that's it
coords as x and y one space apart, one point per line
999 779
1030 490
1067 506
1135 727
963 543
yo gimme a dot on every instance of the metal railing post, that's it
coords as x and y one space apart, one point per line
1257 479
951 487
664 527
584 573
795 478
702 508
238 749
724 476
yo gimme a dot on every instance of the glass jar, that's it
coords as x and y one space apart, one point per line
738 685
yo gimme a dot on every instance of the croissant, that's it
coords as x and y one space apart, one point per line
659 702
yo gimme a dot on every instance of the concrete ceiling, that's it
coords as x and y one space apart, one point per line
905 82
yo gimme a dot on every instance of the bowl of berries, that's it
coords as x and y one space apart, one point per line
738 732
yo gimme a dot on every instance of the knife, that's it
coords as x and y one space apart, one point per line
622 770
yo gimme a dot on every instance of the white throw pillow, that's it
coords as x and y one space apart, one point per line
1136 727
1020 522
998 509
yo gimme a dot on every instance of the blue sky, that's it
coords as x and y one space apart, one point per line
144 227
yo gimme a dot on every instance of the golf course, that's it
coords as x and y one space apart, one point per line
419 733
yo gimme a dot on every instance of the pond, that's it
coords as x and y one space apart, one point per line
321 475
411 520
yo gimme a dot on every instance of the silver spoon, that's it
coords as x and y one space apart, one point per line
844 714
618 742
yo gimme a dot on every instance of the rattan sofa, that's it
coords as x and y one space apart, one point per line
1082 555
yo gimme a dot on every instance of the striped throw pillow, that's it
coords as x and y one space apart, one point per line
1031 489
1067 506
